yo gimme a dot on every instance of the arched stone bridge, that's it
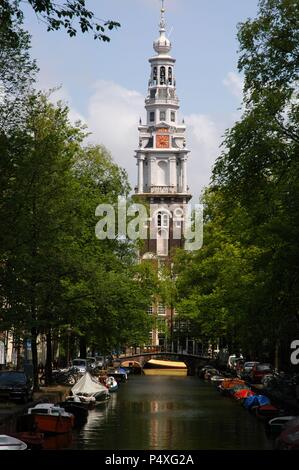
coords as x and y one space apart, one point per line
193 362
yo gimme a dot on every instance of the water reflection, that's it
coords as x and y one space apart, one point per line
58 442
160 427
170 412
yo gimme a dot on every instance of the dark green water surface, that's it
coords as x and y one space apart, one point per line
170 412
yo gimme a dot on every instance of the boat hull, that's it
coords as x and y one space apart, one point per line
11 443
53 424
156 364
157 367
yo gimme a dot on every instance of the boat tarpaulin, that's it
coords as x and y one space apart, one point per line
88 385
243 393
256 400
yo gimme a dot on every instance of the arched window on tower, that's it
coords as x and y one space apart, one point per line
163 217
169 75
159 219
162 220
155 75
162 75
162 242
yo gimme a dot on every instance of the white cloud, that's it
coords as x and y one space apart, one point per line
112 116
204 138
60 93
235 84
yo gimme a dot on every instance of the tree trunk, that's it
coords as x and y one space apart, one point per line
83 346
48 367
18 343
34 358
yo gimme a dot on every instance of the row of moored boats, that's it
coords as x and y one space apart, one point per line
281 425
48 419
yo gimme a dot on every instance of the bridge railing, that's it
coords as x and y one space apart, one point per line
143 350
159 349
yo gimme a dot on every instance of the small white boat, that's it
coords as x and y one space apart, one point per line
11 443
217 379
278 424
111 384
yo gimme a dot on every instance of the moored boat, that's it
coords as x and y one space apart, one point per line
118 373
11 443
34 440
161 364
133 367
276 425
231 392
90 388
217 379
87 402
229 383
267 412
49 418
112 384
255 401
77 409
243 393
155 366
211 373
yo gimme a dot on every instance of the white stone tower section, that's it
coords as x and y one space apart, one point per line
162 154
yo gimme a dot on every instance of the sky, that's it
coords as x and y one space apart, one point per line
105 84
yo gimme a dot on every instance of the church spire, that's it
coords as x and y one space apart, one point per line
162 45
162 20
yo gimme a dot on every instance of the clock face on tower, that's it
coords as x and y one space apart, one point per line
162 141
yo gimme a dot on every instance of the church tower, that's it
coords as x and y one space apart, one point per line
162 163
162 154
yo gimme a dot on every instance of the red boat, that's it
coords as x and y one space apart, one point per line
49 418
267 412
243 393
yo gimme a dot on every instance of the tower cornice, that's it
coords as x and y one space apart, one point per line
162 59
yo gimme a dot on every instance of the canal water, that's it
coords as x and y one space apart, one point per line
170 412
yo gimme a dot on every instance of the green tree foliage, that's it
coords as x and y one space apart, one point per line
71 15
56 277
55 273
243 285
17 69
260 167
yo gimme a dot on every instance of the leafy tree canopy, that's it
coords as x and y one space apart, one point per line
71 15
